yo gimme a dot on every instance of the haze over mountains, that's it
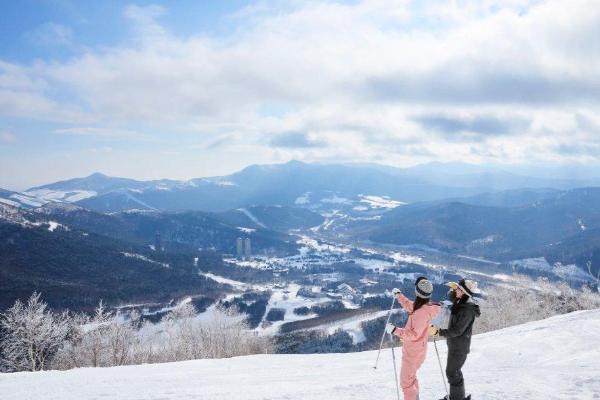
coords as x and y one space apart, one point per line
63 237
285 184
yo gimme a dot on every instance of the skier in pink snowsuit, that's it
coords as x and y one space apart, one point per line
414 335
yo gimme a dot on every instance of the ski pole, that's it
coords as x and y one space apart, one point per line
441 370
383 334
396 377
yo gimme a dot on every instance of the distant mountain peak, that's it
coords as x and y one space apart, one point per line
295 162
97 175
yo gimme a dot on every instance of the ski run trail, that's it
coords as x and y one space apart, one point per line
557 358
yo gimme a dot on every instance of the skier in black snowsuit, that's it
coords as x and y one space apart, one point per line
458 334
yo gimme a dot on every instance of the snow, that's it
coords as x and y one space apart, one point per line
381 202
140 202
224 183
407 258
563 271
252 217
220 279
287 298
581 224
80 195
134 211
70 196
47 194
538 264
336 200
373 263
257 262
353 324
144 258
304 199
27 200
53 225
9 202
246 230
551 359
571 271
502 277
313 244
483 241
478 259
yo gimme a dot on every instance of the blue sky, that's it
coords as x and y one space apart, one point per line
32 29
183 89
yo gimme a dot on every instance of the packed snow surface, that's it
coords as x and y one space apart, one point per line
552 359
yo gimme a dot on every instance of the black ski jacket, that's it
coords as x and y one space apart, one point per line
460 327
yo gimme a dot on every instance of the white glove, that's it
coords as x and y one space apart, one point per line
389 328
395 291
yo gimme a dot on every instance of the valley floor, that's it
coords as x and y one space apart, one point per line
558 358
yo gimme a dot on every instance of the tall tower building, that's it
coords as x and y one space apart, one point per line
239 247
247 248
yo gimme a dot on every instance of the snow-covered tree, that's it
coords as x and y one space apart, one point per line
527 300
120 339
222 333
31 335
103 340
34 338
597 277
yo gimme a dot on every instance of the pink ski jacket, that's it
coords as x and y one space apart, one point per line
415 333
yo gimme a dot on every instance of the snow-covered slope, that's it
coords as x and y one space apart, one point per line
17 199
557 358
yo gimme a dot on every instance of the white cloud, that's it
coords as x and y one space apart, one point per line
107 133
354 78
144 20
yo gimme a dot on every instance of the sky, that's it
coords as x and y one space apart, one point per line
184 89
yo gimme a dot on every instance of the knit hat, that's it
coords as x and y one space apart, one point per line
423 288
469 287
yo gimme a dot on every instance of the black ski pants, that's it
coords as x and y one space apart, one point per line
454 374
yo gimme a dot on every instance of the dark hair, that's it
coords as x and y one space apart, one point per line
458 302
419 302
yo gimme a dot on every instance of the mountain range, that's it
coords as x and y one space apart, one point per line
87 238
78 257
293 183
562 226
